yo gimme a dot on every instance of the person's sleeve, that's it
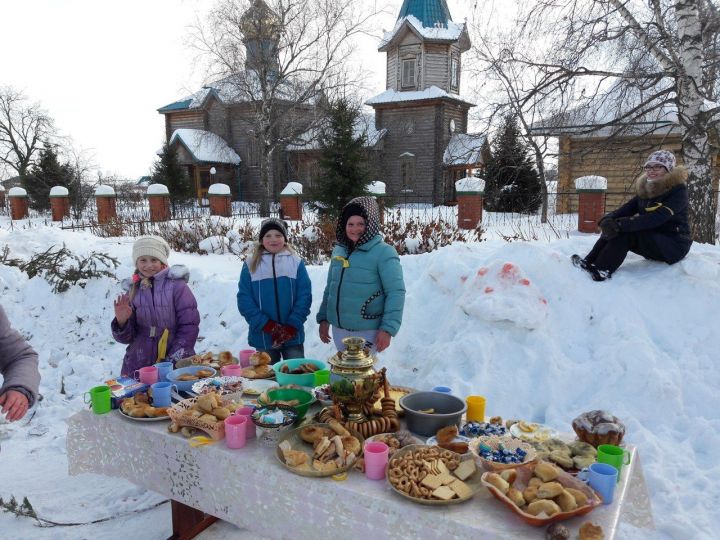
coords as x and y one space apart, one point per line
246 302
187 321
126 334
656 214
391 276
630 208
303 299
322 312
18 361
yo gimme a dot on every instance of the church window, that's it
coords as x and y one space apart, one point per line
407 172
408 73
253 150
455 72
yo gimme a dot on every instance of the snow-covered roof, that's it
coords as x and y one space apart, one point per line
437 32
17 192
205 146
464 149
2 188
157 189
433 92
591 183
292 188
219 189
104 191
377 188
59 191
364 124
470 184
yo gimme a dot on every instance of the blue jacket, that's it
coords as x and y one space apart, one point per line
278 290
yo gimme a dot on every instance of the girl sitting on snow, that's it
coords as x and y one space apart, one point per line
274 294
157 317
653 224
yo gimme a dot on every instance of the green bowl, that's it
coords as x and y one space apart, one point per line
288 394
300 379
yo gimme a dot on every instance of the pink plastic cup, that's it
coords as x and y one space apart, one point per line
146 375
376 460
235 431
245 355
233 370
247 413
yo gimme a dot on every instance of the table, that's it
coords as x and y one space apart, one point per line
252 489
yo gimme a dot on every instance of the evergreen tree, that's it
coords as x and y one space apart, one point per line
47 173
169 172
512 184
343 162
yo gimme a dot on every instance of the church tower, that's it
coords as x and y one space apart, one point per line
421 108
261 30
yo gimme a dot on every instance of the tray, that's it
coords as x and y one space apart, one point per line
271 375
187 361
524 473
432 441
135 419
293 437
213 383
542 433
474 481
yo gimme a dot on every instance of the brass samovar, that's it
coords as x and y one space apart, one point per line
356 385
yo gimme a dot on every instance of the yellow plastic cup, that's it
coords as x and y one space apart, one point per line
475 408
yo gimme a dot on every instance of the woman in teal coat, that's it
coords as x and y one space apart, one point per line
365 291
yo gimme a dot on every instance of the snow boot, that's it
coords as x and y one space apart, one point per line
595 273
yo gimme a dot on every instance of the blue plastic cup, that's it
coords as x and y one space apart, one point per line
161 392
443 389
163 369
602 478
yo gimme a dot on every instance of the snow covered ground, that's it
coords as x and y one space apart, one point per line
511 321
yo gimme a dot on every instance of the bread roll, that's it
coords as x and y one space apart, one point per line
496 480
546 471
530 493
549 490
566 501
580 498
516 497
541 506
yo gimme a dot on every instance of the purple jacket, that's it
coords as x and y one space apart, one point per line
170 304
18 362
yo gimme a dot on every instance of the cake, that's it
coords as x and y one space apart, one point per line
599 427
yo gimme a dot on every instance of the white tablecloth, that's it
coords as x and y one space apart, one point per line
250 488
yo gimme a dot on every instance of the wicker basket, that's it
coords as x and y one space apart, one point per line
508 442
180 414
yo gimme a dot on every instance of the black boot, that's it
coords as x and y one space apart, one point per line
595 273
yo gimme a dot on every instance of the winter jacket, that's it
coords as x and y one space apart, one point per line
365 288
18 362
660 211
278 290
167 304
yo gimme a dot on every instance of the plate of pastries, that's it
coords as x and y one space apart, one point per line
320 449
139 407
259 367
210 359
432 475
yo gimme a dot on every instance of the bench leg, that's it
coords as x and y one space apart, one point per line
188 522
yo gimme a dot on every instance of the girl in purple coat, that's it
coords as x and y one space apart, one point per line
158 317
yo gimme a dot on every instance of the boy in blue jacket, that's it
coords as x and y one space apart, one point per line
274 294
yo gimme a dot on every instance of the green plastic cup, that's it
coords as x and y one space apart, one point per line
99 398
321 376
613 455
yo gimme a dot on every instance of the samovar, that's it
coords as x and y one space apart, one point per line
356 384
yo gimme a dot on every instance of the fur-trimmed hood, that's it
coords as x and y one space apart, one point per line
650 190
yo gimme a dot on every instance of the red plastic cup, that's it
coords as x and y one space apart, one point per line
376 459
235 431
247 413
245 355
233 370
146 375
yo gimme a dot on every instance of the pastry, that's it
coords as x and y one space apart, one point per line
259 358
566 501
590 531
599 427
509 475
496 480
534 482
549 490
580 498
457 447
225 358
446 435
546 471
530 493
543 506
310 434
561 458
516 497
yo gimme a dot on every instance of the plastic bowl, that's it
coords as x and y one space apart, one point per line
288 394
303 379
186 386
448 410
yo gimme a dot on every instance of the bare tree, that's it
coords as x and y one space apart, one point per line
24 128
284 58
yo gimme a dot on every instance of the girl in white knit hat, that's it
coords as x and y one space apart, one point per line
157 317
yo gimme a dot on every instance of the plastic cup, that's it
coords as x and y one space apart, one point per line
163 369
321 376
146 375
161 393
613 455
443 389
235 431
99 399
233 370
250 431
244 357
602 478
376 459
475 408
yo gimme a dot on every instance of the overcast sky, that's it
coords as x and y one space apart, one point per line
102 69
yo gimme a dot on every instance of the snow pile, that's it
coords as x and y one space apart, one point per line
215 244
104 191
59 191
292 188
219 189
157 189
205 146
591 182
470 184
17 192
433 92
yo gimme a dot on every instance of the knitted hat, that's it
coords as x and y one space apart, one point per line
662 157
273 224
151 246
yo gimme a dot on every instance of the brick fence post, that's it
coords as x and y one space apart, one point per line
291 205
377 190
18 203
2 196
105 201
470 193
59 202
591 202
159 200
220 204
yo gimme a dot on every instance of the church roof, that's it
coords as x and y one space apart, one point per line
431 13
393 96
205 146
464 149
364 125
449 33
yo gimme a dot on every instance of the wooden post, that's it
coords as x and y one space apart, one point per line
105 201
591 202
18 203
2 197
159 201
220 203
291 202
470 193
377 189
59 203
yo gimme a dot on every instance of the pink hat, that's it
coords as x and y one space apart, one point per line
662 157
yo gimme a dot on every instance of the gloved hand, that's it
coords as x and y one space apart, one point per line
271 326
282 334
610 228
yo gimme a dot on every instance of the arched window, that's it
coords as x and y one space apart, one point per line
407 172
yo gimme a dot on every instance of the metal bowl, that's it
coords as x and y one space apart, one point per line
447 410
